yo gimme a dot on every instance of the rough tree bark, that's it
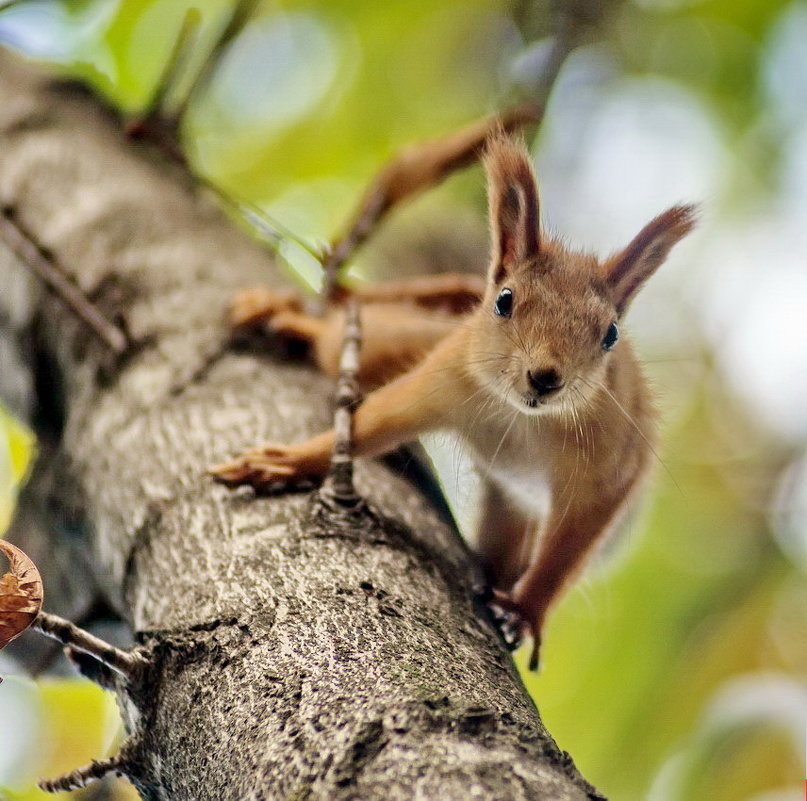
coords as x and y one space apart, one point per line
291 655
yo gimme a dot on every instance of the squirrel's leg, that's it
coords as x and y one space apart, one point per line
254 306
282 312
395 336
504 537
456 293
568 539
418 401
298 325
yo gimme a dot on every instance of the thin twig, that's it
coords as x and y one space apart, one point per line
339 481
571 24
415 169
241 14
160 125
268 227
372 209
126 663
178 58
564 41
54 276
81 777
156 124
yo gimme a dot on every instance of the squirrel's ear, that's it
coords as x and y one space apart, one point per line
627 271
513 204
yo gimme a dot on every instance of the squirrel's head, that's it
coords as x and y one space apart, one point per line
550 317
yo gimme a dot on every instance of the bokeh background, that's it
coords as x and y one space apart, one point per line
675 670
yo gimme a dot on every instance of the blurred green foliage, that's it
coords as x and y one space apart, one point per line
675 670
69 724
16 447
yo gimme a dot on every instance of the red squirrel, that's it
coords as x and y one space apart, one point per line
537 379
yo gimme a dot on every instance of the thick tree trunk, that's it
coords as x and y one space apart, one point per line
293 654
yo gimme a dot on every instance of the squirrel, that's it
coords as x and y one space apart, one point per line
530 368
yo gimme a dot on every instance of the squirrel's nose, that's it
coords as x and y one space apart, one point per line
544 382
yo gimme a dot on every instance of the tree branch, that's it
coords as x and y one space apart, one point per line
291 656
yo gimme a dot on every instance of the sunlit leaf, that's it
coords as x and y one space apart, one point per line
20 445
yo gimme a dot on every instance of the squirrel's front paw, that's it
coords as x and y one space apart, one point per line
257 305
266 467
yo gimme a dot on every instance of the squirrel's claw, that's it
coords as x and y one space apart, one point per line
515 622
535 660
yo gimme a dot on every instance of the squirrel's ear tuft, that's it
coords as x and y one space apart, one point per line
513 204
628 270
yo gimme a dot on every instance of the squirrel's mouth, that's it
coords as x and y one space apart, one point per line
535 404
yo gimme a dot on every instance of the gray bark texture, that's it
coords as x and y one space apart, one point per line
292 654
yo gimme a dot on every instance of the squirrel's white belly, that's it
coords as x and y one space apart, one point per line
515 459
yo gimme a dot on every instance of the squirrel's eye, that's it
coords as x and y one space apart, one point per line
610 338
504 303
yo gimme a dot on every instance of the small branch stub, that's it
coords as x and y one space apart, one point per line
127 664
81 777
338 484
54 277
